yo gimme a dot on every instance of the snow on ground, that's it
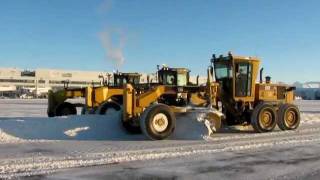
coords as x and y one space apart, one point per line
278 163
49 144
76 131
310 106
6 138
310 118
89 127
18 125
47 158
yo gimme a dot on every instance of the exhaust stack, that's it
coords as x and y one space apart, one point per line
261 75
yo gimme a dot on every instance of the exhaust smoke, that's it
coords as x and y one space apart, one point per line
113 42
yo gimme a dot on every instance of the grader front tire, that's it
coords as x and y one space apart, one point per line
158 122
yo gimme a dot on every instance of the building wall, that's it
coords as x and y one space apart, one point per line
13 77
41 80
55 78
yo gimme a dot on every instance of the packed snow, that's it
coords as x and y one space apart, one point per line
76 131
18 126
7 138
90 127
50 144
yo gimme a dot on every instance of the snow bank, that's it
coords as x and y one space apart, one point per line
6 138
310 118
75 132
89 127
97 127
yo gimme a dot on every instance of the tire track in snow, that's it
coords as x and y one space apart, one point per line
40 165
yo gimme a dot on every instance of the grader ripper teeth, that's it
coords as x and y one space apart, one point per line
234 98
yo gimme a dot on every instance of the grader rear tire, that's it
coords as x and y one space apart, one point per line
158 122
105 107
86 111
66 109
131 127
263 118
289 117
51 114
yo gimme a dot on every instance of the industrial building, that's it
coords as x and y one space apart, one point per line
17 82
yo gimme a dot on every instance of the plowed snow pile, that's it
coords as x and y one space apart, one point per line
6 138
88 127
97 127
310 118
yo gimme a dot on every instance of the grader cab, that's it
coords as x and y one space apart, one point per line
263 104
178 79
174 76
119 79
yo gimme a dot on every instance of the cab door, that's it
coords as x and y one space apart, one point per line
243 79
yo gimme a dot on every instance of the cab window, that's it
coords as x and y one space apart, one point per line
170 79
223 71
182 80
243 78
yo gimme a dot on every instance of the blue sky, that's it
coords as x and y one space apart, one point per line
66 34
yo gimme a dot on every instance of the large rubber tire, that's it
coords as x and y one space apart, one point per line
288 117
264 118
230 119
158 122
103 109
83 110
86 111
131 126
66 109
51 114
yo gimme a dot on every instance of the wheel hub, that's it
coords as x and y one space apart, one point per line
290 118
266 119
160 122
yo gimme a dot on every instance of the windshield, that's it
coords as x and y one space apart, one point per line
223 70
168 78
133 80
182 79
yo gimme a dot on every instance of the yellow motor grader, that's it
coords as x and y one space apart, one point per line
244 101
262 104
151 107
97 99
